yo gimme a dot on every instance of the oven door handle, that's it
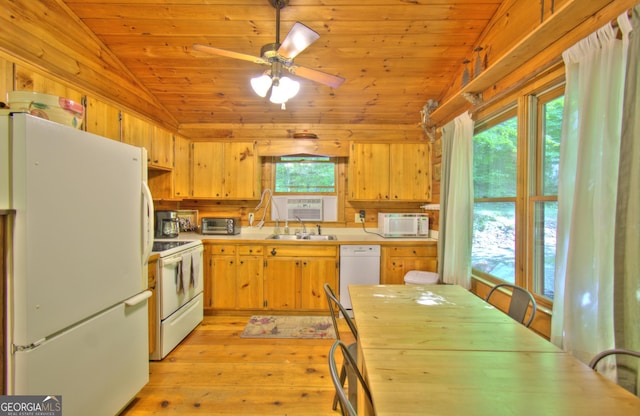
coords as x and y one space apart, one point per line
171 260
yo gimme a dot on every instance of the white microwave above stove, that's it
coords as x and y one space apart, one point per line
403 225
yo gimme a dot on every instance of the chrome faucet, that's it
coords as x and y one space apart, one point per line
304 228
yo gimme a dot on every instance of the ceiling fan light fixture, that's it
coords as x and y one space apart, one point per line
261 84
284 89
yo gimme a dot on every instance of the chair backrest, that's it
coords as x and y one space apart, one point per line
345 404
520 300
626 371
334 307
614 351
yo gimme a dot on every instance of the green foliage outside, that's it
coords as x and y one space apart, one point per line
305 175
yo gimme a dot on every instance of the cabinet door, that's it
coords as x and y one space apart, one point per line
397 261
369 172
241 171
207 169
410 173
315 273
162 148
281 283
137 132
249 282
182 168
103 119
223 282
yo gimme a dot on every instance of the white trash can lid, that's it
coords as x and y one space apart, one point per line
418 277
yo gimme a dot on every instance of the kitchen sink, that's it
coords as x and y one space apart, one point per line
326 237
293 237
283 237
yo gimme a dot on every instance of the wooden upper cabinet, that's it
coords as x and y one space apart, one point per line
369 172
241 171
137 132
389 172
182 167
207 169
162 148
157 141
410 173
102 119
226 170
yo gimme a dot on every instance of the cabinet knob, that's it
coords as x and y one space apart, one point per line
222 250
274 252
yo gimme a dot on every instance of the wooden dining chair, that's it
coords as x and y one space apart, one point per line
347 406
336 307
520 300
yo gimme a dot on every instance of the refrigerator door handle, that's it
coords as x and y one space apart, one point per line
140 297
147 220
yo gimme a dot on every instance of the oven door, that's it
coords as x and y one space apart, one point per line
180 279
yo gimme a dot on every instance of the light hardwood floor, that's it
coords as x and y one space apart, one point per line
215 372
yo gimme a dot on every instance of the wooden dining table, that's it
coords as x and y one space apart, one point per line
441 350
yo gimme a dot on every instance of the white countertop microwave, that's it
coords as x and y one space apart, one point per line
403 225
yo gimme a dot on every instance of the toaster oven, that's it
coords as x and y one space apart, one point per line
220 226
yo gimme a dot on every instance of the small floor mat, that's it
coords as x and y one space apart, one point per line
285 326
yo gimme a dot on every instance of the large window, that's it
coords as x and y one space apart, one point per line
516 162
495 151
305 174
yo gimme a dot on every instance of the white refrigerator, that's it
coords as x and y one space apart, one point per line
77 320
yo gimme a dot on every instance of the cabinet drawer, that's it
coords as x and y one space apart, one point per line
222 249
306 251
422 251
250 250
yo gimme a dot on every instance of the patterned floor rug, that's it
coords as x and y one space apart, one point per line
284 326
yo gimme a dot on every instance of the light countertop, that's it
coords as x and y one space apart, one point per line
344 236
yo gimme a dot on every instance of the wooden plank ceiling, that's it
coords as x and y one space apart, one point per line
394 54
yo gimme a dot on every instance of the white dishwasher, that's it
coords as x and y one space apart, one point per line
359 265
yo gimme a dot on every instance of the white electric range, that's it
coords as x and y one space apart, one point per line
179 300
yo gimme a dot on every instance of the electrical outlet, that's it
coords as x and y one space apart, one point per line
250 219
358 218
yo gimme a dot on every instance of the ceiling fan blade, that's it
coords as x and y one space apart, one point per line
229 54
332 81
297 40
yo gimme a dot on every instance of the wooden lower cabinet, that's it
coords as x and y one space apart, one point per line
396 261
291 277
249 277
294 276
234 278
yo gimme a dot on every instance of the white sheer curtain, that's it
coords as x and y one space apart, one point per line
456 202
589 155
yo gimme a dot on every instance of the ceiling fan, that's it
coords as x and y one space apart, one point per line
280 56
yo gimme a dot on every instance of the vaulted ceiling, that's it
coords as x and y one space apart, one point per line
394 54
